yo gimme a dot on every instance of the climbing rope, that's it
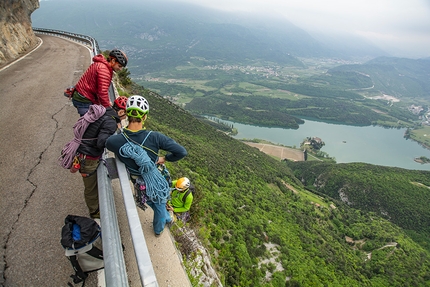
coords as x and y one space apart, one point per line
69 150
157 187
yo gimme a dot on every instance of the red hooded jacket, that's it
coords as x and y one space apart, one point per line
94 83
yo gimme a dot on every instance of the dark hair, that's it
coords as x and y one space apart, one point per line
132 119
120 56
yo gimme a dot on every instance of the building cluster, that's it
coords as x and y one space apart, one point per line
424 114
416 110
266 71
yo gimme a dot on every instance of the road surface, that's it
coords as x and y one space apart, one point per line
36 193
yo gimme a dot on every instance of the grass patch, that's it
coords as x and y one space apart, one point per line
421 135
313 198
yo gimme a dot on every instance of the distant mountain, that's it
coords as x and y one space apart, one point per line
167 34
398 77
349 46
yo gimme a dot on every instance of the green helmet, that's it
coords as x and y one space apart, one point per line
139 104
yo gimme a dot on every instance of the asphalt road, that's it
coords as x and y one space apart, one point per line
36 194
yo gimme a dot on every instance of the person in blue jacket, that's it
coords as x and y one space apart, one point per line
152 142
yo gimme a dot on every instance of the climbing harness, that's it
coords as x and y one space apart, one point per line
76 165
141 197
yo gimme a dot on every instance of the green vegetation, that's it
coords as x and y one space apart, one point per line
278 112
274 96
399 195
420 134
347 79
312 144
312 150
263 228
400 77
124 78
249 110
219 125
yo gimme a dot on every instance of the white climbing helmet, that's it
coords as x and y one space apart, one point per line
139 104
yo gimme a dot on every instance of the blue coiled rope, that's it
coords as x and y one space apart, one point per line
157 187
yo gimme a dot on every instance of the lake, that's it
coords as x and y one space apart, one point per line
375 145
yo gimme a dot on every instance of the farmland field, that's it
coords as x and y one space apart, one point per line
279 151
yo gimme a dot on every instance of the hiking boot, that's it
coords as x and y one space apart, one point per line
95 214
158 234
141 206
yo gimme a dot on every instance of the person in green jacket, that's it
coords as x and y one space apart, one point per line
181 199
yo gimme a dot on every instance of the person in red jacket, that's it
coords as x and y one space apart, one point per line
93 86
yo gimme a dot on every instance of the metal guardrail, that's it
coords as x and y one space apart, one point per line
84 38
115 271
146 271
113 257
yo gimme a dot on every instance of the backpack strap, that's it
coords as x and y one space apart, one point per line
190 190
141 145
79 275
96 253
144 140
184 198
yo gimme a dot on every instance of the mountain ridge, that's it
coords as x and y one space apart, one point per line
183 24
400 77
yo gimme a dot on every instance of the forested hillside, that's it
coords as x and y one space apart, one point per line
399 195
263 228
393 76
276 112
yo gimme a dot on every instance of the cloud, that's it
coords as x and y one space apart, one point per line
398 26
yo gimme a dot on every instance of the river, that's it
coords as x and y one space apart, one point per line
375 145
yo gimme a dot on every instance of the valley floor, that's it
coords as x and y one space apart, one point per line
279 151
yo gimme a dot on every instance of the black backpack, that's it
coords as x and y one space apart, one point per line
81 239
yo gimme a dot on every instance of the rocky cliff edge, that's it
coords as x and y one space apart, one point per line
15 28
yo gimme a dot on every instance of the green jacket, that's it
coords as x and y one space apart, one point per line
177 200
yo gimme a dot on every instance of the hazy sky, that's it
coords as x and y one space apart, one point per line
401 27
